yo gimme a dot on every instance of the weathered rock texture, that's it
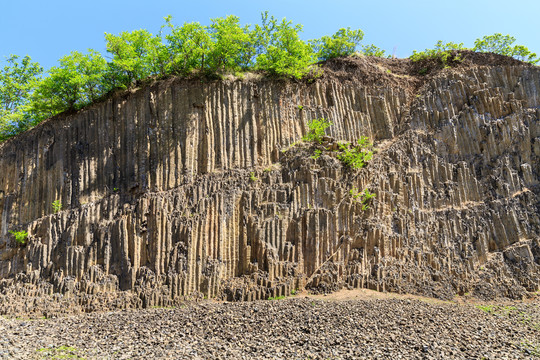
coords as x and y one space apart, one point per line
188 188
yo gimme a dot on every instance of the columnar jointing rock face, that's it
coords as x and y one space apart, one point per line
187 189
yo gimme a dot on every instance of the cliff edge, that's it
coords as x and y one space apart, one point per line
190 188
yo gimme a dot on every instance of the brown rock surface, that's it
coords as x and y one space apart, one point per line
159 199
297 328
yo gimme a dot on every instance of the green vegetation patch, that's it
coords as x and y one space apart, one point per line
356 156
504 45
57 206
316 130
497 309
20 236
364 197
530 348
61 352
441 51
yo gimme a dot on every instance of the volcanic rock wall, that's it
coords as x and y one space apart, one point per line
190 188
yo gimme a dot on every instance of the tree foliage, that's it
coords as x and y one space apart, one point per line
18 79
282 52
342 43
441 51
502 44
372 50
232 46
187 46
224 46
136 55
78 81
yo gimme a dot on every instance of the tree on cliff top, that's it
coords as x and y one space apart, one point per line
225 46
282 52
502 44
342 43
78 81
18 79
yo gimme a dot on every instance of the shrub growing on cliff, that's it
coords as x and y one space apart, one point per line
502 44
356 156
316 130
365 197
342 43
20 236
444 52
57 206
372 50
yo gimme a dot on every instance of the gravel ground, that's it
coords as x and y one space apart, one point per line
294 328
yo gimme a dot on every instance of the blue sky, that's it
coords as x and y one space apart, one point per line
47 30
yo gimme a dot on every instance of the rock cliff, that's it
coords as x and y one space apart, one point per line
196 188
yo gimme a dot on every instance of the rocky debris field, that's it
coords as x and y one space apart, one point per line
292 328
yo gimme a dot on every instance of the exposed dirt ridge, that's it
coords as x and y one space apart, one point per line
192 188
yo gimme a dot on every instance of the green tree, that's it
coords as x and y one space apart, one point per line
75 83
441 50
284 53
187 45
502 44
18 79
233 46
264 34
137 55
342 43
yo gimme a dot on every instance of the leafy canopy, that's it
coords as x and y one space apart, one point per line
502 44
372 50
18 79
136 55
78 81
232 46
281 51
342 43
187 46
225 46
